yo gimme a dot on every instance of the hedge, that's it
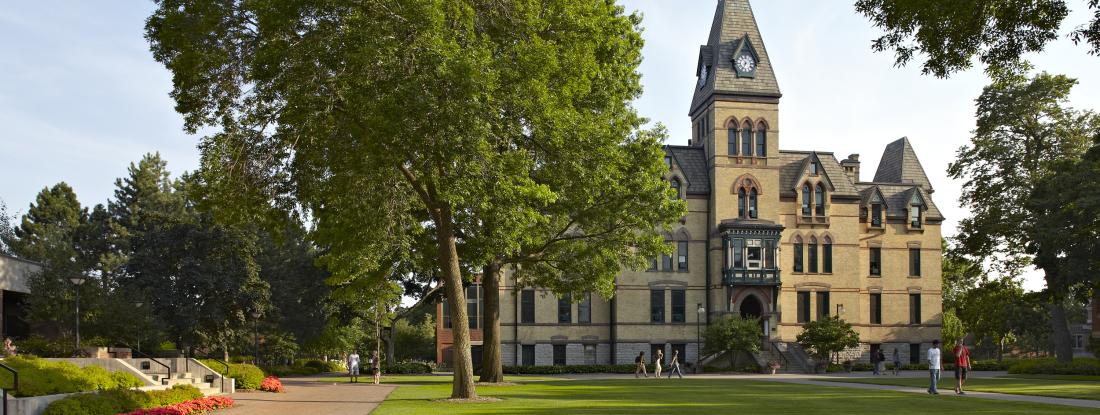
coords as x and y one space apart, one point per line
404 368
246 376
38 377
118 401
570 369
1079 366
305 367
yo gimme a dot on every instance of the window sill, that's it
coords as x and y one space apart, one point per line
914 277
915 230
812 221
874 276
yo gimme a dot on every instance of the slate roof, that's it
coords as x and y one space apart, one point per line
897 198
899 164
692 161
733 20
794 164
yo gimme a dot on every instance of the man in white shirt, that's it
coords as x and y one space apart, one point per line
353 366
934 367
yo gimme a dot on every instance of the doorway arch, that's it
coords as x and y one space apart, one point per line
751 307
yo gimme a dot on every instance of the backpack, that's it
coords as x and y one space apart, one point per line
638 359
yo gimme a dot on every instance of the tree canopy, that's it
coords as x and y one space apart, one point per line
827 336
732 334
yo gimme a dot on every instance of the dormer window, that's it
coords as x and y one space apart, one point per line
813 168
819 200
914 216
676 189
876 215
806 197
668 162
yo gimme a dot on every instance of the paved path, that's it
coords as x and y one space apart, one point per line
819 380
312 397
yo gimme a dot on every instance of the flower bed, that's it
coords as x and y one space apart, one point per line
271 384
196 406
122 401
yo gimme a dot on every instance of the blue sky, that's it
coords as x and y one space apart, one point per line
81 97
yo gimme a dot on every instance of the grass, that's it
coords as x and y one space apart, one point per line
1075 387
419 395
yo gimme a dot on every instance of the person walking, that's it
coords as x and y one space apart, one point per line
376 367
881 362
657 363
897 361
639 365
874 363
674 365
9 348
934 367
962 366
353 366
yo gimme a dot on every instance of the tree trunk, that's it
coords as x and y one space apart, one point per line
492 365
390 341
463 387
1001 350
1063 349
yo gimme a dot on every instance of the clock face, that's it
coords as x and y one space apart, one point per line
702 76
745 63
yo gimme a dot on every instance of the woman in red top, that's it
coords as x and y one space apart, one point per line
962 366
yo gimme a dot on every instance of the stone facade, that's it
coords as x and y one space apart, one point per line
785 235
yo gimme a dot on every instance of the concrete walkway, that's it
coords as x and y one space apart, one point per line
835 380
312 397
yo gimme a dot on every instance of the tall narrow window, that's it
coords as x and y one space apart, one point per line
584 309
668 162
527 306
666 262
813 254
652 265
813 168
731 140
565 309
798 256
819 200
742 204
754 257
761 140
876 215
914 216
769 254
559 355
914 353
473 305
682 256
752 203
827 255
822 304
876 261
739 253
807 195
589 354
914 262
679 306
746 139
528 352
676 188
657 306
446 315
876 308
914 309
803 306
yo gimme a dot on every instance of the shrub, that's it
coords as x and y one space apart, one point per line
271 384
323 366
118 401
1079 366
37 345
407 368
39 377
194 406
246 376
560 370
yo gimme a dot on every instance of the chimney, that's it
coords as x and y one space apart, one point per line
851 167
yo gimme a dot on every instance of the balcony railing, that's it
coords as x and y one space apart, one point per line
751 277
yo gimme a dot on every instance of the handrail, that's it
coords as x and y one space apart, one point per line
133 350
15 385
221 376
786 363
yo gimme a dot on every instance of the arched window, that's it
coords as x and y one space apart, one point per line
746 139
676 187
761 140
731 140
806 195
752 203
819 200
742 211
797 254
827 255
813 254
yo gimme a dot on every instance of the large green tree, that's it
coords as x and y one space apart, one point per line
362 113
827 337
994 312
952 33
732 334
1025 130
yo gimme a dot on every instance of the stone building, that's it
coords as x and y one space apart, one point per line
15 274
789 236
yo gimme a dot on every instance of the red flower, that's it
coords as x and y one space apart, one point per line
197 406
271 384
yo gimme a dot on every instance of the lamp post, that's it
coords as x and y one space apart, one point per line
137 305
699 337
839 309
77 281
256 336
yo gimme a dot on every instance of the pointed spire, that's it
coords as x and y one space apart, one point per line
899 164
734 33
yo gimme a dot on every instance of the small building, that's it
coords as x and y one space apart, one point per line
15 274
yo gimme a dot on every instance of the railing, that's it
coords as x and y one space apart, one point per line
786 363
15 385
143 355
751 277
221 376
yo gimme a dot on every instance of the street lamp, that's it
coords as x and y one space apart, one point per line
256 325
137 305
699 337
839 309
77 281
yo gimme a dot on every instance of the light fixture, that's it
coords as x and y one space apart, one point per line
77 279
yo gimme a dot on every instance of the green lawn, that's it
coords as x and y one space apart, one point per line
418 395
1077 387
